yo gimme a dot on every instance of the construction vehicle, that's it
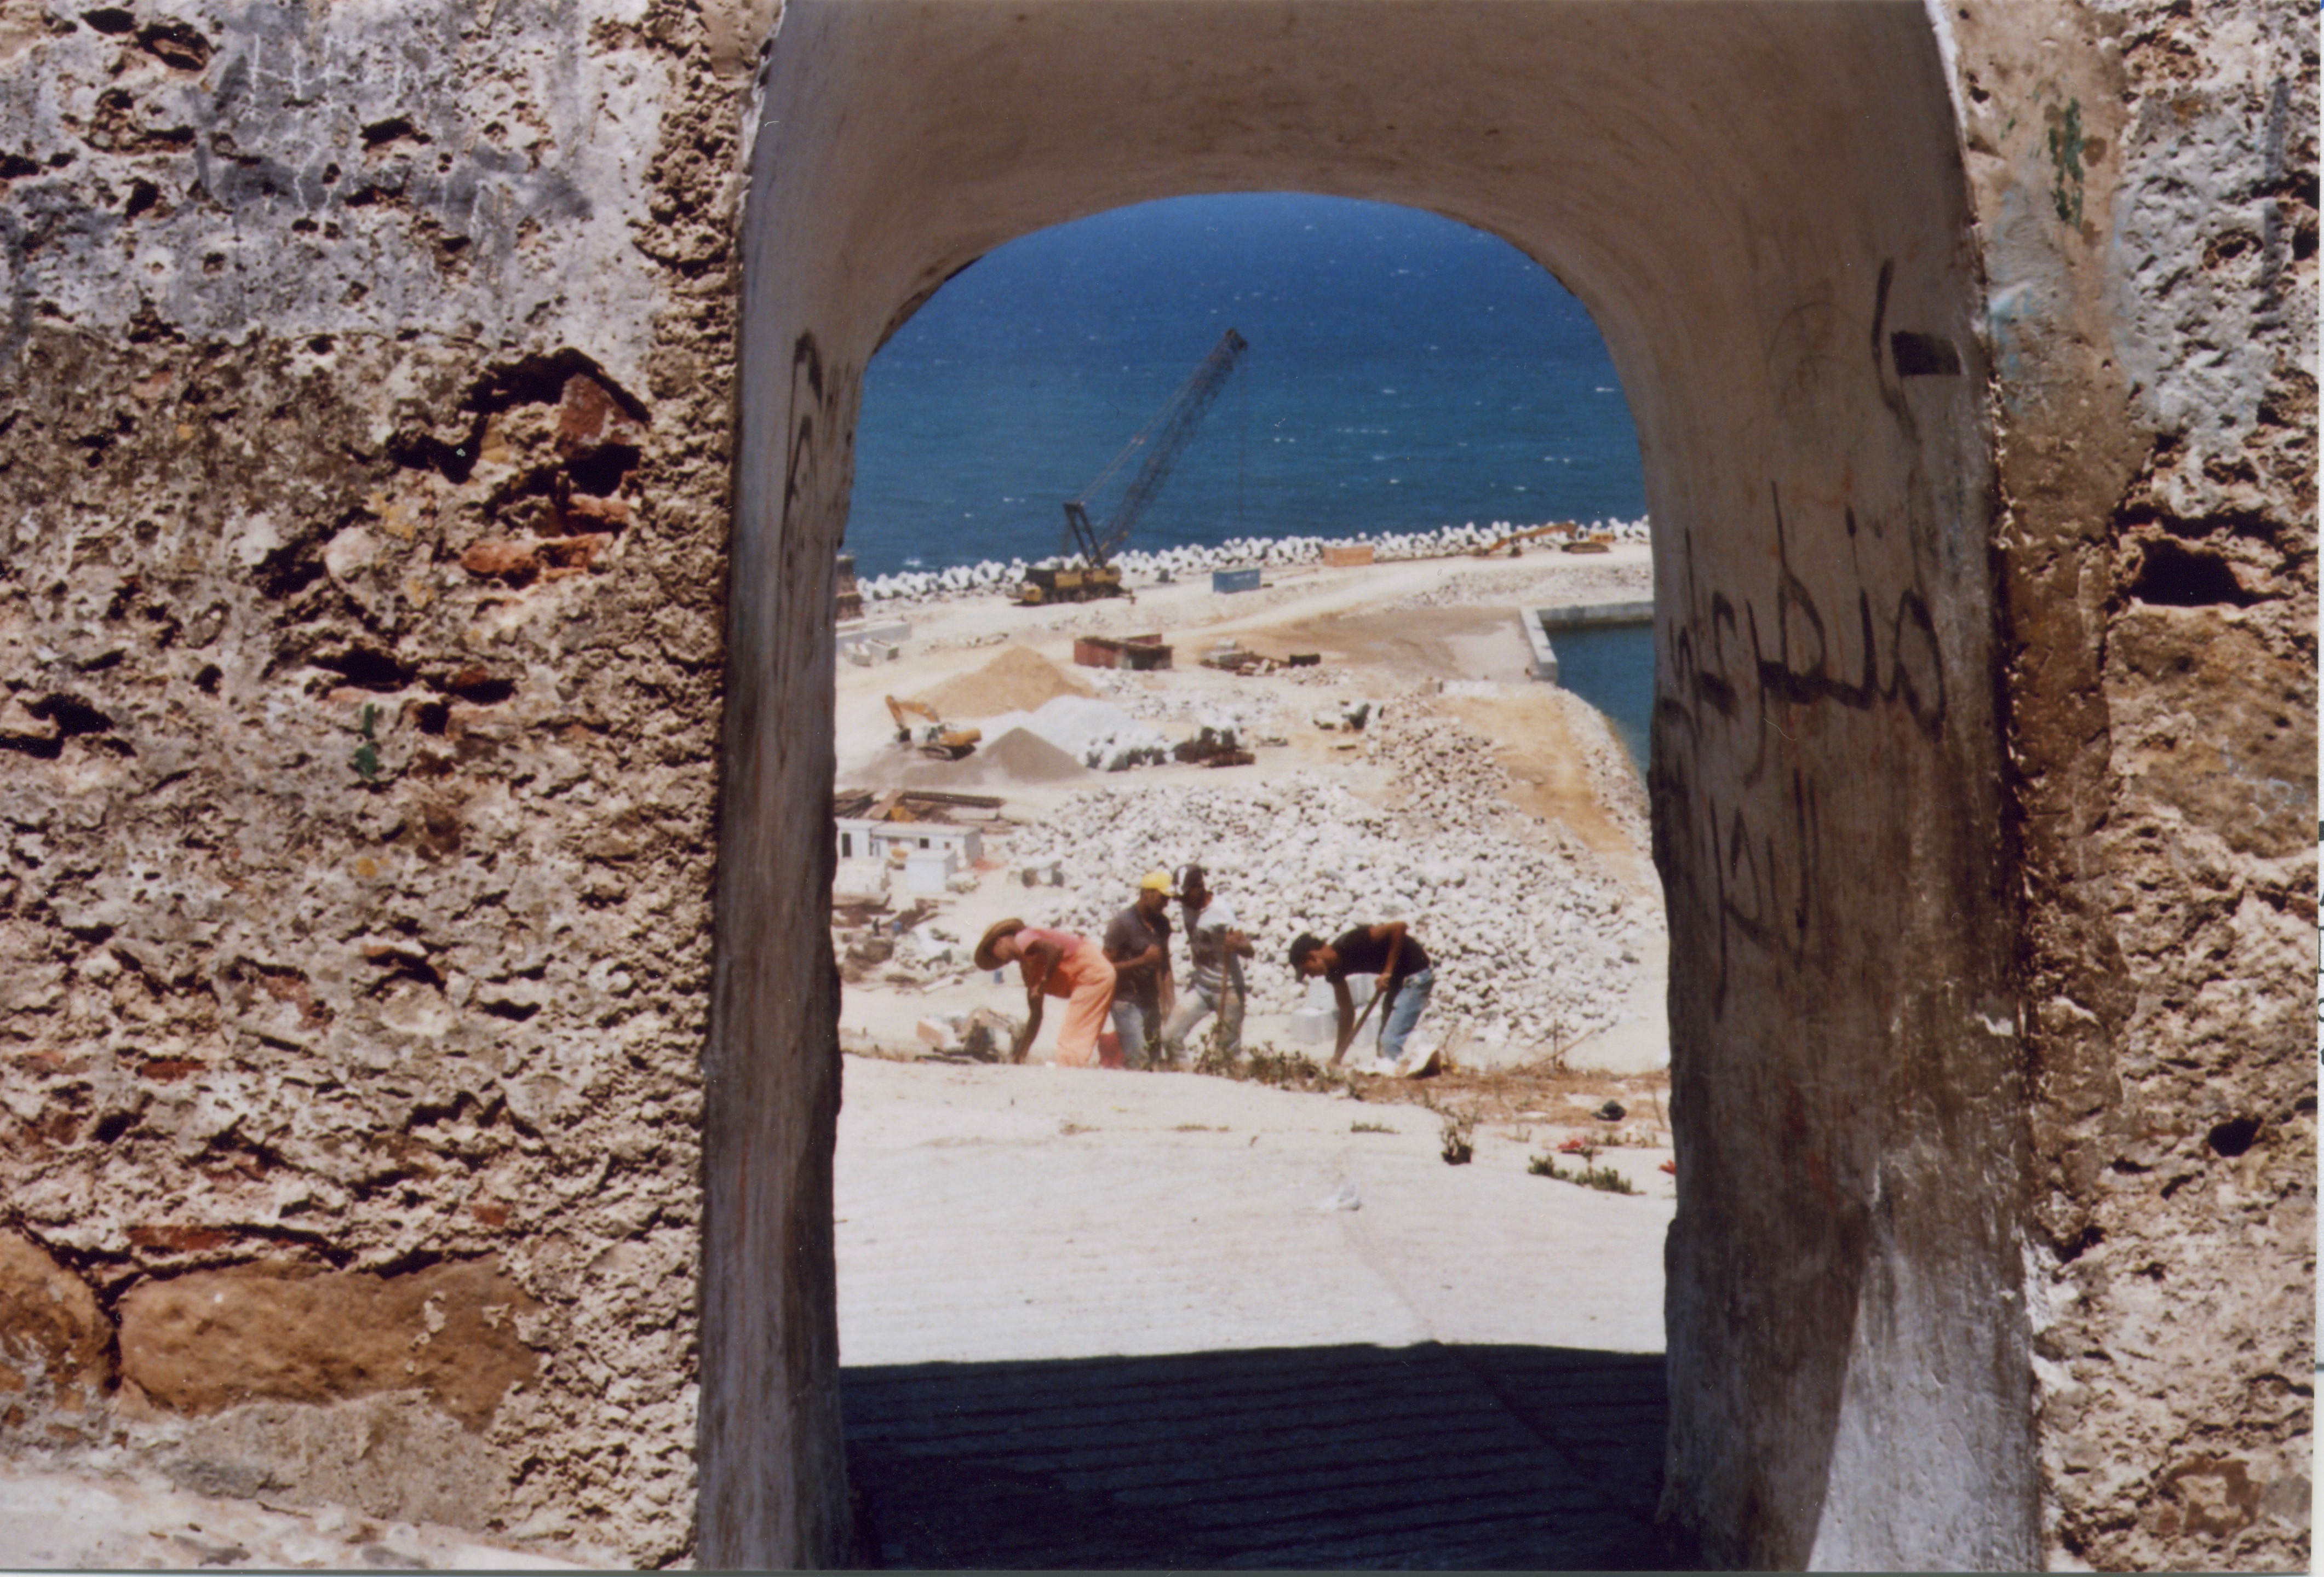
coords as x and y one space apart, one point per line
934 738
1085 551
1561 529
1575 541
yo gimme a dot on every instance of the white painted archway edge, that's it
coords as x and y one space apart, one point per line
1763 206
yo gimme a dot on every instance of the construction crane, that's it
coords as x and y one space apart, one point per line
1087 550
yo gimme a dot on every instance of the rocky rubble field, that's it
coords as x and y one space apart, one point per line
1534 940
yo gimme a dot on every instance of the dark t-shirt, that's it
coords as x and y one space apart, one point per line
1130 934
1360 953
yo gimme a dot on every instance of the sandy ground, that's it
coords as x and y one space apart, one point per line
88 1519
994 1213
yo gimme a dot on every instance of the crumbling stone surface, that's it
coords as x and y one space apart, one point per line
2149 192
395 1455
106 1520
203 1342
360 598
325 895
56 1360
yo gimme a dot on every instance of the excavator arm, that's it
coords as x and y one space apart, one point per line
935 737
896 710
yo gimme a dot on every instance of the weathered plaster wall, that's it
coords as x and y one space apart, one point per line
363 379
373 368
2146 181
1780 259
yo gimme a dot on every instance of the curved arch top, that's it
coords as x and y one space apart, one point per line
1764 207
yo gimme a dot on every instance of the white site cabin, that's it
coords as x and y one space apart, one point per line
923 841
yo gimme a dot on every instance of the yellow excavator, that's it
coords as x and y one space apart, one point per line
935 738
1575 543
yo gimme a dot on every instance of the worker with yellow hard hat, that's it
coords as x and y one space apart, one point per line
1138 943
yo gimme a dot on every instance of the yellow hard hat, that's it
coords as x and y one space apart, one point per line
1160 880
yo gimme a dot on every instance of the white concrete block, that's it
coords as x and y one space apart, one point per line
1314 1026
862 880
928 870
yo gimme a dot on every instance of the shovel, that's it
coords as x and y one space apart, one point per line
1359 1030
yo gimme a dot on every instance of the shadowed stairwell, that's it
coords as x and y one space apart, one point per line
1429 1456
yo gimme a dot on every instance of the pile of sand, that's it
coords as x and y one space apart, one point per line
1019 679
1022 756
1014 758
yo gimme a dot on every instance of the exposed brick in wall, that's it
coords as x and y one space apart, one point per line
56 1351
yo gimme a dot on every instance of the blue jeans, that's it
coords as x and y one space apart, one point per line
1139 1025
1404 1012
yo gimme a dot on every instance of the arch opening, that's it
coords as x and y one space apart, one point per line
1219 1222
1761 204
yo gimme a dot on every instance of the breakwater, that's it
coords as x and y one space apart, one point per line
1140 567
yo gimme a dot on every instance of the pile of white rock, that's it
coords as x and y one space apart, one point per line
1121 749
1254 718
1449 776
1145 568
1534 942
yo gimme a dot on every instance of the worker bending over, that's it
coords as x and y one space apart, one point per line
1138 943
1388 951
1054 963
1216 949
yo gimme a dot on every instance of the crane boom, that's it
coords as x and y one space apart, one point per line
1169 434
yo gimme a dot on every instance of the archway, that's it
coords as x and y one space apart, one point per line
1764 208
1107 1319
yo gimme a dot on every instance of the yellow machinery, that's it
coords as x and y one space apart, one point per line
1561 529
1575 543
934 737
1069 585
1087 550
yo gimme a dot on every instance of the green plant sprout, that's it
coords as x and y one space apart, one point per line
367 752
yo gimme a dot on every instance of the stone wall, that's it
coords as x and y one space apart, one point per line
363 379
2146 180
368 386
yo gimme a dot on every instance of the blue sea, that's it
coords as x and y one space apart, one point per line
1612 668
1404 372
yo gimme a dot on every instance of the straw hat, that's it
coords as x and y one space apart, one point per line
993 933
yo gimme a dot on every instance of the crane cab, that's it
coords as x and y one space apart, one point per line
1069 584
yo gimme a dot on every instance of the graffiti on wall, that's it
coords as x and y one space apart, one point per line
819 463
1753 681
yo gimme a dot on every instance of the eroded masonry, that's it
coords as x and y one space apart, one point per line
427 436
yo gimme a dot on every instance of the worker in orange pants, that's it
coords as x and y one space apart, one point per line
1054 963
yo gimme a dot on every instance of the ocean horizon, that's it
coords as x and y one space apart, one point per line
1405 372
